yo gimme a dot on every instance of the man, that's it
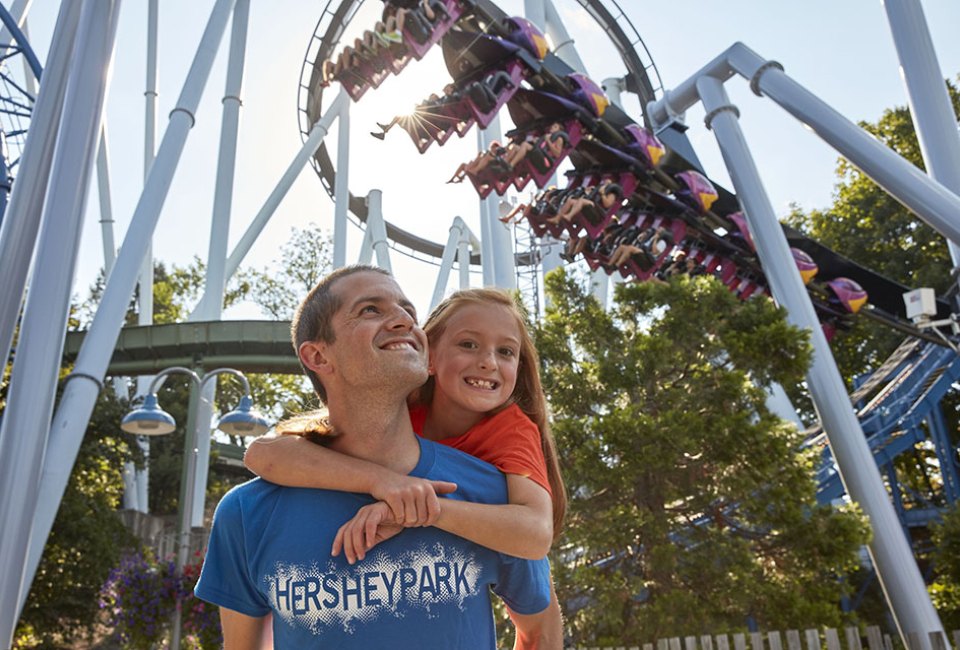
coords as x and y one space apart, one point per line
359 342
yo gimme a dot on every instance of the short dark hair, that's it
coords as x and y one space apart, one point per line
313 320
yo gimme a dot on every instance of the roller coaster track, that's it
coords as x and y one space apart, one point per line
642 78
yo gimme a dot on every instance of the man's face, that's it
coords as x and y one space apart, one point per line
377 340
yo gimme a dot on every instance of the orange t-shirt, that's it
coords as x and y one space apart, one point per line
508 440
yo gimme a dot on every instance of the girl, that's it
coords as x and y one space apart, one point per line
483 397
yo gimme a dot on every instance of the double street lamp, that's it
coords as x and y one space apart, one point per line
150 420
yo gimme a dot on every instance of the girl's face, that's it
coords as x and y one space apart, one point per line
475 361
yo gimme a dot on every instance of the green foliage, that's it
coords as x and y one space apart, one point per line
691 506
304 259
945 590
86 539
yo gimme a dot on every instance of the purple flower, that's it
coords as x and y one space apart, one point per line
140 594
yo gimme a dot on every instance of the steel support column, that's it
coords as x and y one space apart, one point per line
215 283
259 222
33 381
341 189
889 549
497 251
375 238
446 261
930 106
18 233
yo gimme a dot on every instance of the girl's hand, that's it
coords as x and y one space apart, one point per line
371 525
412 501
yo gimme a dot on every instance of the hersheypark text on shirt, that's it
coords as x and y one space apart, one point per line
383 584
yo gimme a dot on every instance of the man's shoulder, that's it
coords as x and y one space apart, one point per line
242 497
258 505
252 489
258 493
477 480
260 488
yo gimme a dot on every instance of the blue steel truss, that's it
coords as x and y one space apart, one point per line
16 103
904 412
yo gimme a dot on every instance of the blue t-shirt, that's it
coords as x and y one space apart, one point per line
269 551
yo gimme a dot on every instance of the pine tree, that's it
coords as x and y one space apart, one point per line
692 506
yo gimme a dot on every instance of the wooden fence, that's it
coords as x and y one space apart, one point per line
829 638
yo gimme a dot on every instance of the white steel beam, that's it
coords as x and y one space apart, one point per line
930 106
106 203
131 491
376 230
33 381
21 223
341 189
215 283
459 241
463 262
151 93
497 250
889 548
446 261
487 258
145 297
926 198
310 146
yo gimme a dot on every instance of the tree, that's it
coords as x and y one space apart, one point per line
692 506
304 259
86 540
945 589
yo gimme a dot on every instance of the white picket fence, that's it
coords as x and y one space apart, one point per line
811 639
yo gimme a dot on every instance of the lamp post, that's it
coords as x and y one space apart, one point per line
150 420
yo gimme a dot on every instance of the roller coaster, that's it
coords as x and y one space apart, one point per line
634 202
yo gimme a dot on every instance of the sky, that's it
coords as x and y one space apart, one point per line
841 50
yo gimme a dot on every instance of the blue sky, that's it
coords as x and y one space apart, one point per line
841 50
